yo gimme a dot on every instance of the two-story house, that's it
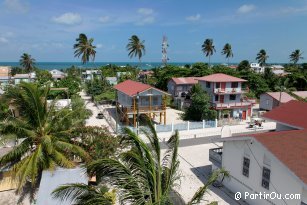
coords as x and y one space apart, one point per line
226 93
177 86
135 98
272 163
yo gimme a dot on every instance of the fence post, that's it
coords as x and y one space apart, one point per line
204 124
215 122
172 126
188 125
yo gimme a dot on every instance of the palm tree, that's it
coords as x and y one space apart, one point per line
136 47
45 132
227 51
208 48
84 47
262 57
84 194
142 175
27 62
283 86
295 56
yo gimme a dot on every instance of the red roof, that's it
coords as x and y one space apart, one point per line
292 113
221 77
131 88
290 147
186 80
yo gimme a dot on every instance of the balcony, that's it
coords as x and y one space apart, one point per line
146 109
245 103
230 90
215 156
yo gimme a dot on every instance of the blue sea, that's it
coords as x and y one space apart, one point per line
65 65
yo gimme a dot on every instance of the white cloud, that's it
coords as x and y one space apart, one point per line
16 6
104 19
145 11
145 20
193 18
99 45
146 16
246 8
3 40
68 19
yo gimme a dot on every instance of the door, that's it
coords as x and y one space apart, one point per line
223 86
244 115
221 98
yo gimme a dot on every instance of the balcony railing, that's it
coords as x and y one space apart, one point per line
145 109
232 105
230 90
215 156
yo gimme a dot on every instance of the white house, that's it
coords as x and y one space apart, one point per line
57 75
272 163
270 100
257 68
89 74
24 78
226 93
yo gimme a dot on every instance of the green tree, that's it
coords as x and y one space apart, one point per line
295 56
136 47
283 86
244 66
98 142
45 132
141 175
256 83
208 48
200 69
43 77
200 108
262 57
27 62
227 51
84 47
73 85
83 194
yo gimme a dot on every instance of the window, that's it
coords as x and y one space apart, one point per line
266 178
208 84
234 84
232 97
217 85
246 162
216 98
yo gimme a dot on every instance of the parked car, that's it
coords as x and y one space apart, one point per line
100 115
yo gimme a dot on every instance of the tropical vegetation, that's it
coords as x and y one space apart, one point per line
200 108
136 47
262 57
227 51
84 47
27 62
208 48
140 175
42 135
295 56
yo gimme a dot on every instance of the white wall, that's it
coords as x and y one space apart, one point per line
266 102
280 178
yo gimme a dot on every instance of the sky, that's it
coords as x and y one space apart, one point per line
48 29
